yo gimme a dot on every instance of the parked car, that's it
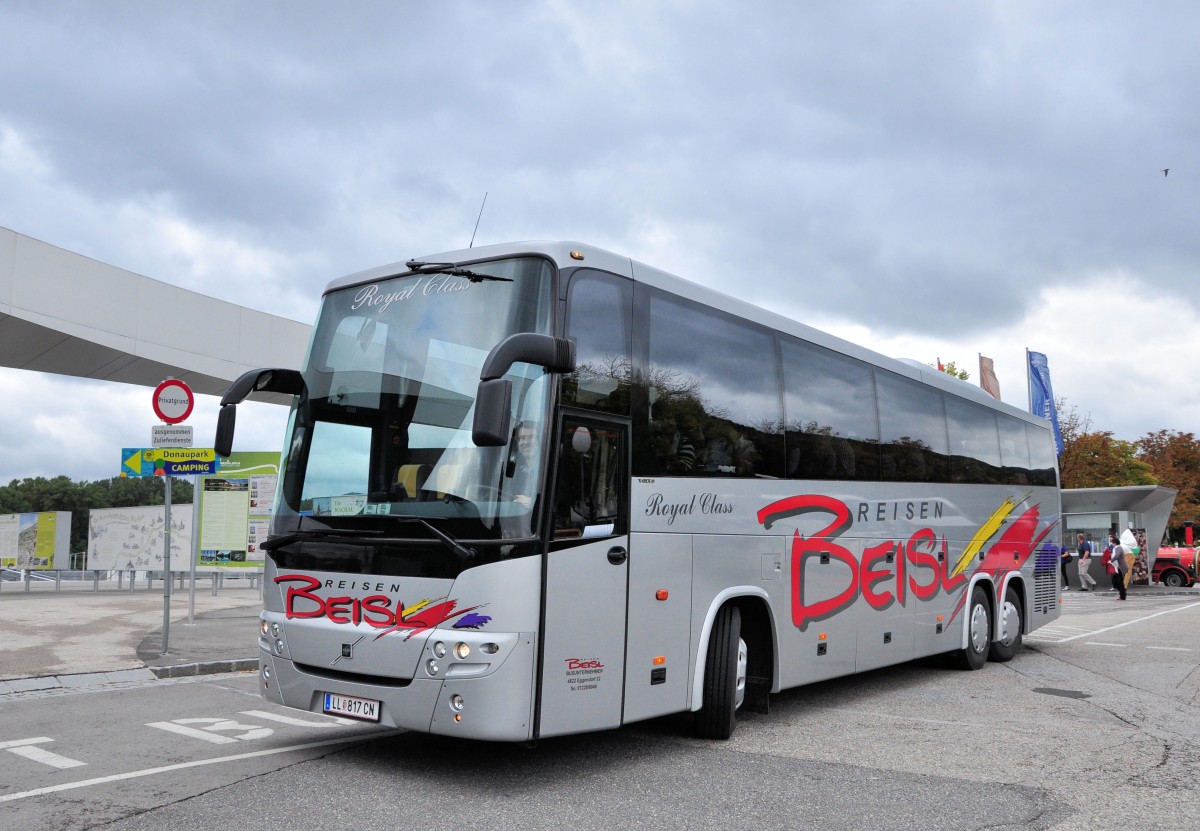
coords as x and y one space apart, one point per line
1176 567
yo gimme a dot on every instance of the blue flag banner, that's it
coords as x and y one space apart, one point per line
1041 394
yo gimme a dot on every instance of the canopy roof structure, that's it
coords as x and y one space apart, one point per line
67 314
1136 504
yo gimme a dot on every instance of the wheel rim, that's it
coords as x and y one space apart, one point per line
1010 624
979 628
739 687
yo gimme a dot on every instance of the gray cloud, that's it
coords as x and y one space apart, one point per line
927 167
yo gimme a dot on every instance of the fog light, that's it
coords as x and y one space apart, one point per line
276 629
278 647
439 650
456 702
489 648
431 666
267 673
462 651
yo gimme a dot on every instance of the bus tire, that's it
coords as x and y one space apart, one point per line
724 683
1012 620
979 632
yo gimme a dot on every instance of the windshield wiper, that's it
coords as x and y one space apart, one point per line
452 268
465 554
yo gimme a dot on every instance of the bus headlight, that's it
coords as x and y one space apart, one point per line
439 650
264 629
278 646
456 703
431 666
462 651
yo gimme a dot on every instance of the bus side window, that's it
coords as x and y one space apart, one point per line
714 394
912 426
590 481
829 399
600 320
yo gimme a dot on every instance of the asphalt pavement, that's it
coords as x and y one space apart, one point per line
76 636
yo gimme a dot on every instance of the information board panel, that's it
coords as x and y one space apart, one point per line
131 539
35 540
235 511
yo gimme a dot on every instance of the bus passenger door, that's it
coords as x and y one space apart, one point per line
581 681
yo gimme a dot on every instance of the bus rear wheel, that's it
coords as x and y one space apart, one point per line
1012 627
979 632
724 676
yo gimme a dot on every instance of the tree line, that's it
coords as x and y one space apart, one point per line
1096 459
38 495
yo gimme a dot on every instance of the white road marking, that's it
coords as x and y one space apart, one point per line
1101 643
220 760
26 748
1170 648
1127 623
180 726
296 722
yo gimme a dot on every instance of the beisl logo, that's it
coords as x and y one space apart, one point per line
890 572
577 663
377 610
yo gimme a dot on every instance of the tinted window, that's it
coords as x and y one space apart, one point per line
1014 450
974 445
912 426
713 393
1042 455
599 318
829 400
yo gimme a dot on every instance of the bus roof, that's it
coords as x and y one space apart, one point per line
567 254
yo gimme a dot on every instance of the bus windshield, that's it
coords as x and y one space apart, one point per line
384 433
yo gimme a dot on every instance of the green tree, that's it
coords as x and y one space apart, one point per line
952 369
38 495
1094 458
1174 457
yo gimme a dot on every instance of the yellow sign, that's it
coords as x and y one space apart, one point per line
169 461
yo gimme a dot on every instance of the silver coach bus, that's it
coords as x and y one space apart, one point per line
537 489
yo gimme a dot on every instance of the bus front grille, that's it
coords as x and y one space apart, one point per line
353 677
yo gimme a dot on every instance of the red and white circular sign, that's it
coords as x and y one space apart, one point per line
173 401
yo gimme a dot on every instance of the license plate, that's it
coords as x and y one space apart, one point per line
347 705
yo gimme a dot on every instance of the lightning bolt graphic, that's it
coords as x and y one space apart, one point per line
985 533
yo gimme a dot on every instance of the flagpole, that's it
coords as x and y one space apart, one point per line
1028 380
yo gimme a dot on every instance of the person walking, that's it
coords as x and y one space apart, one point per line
1086 583
1115 565
1064 558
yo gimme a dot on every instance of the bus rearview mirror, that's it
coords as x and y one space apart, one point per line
226 418
493 413
286 381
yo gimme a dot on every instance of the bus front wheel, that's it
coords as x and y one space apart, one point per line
724 676
979 632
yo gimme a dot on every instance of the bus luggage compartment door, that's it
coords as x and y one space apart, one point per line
583 666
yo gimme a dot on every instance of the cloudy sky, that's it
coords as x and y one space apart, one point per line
932 178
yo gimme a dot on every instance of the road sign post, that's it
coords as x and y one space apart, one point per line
172 402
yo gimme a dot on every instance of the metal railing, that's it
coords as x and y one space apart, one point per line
15 579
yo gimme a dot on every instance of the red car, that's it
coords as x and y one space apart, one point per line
1176 567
